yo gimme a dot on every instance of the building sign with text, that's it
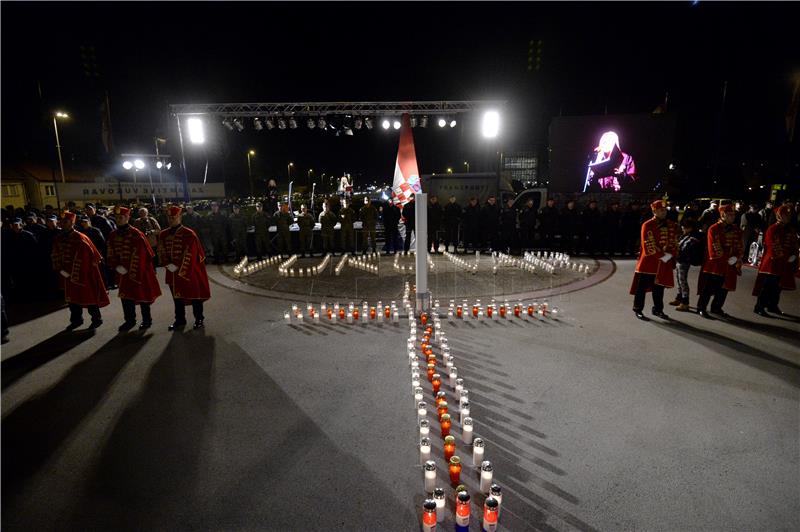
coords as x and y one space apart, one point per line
130 191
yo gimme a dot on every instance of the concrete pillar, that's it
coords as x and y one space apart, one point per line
421 232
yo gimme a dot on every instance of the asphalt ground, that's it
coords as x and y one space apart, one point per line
596 421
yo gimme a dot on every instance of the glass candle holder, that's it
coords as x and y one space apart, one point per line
477 451
431 371
475 311
417 395
445 425
422 410
441 397
490 514
438 496
372 313
441 409
349 317
530 310
459 312
453 376
355 314
466 430
516 311
287 317
503 311
425 429
436 381
455 470
486 476
497 494
387 313
459 387
449 447
424 450
490 311
430 477
462 509
429 515
341 314
463 411
396 317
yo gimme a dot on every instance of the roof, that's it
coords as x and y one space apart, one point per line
45 174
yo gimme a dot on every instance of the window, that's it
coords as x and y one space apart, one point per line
49 190
10 190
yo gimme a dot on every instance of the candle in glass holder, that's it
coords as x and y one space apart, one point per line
424 450
502 311
387 313
449 447
459 311
463 397
455 470
417 394
497 493
349 317
486 476
396 317
441 397
316 317
329 313
422 410
423 319
464 411
445 425
438 496
453 376
300 317
425 429
490 514
372 313
530 310
341 313
441 409
477 451
466 430
430 477
431 371
429 515
355 314
490 311
459 387
462 509
415 364
516 311
436 381
475 310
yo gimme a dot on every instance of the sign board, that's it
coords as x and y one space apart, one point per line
130 191
462 186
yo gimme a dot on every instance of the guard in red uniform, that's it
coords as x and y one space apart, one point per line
654 270
78 261
180 251
778 264
130 255
723 263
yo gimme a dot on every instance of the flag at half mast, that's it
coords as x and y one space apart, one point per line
406 173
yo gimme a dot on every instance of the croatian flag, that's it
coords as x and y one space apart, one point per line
406 174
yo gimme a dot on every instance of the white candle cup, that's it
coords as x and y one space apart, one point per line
349 317
464 412
497 493
424 450
287 317
453 376
425 428
459 387
422 410
466 430
430 476
438 498
477 451
396 317
418 395
463 397
414 385
486 476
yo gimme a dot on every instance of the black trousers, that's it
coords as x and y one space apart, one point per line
770 293
129 311
76 313
646 281
712 287
451 236
180 310
407 242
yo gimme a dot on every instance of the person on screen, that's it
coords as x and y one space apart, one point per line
622 174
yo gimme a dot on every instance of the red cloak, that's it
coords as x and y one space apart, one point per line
129 248
75 254
181 247
724 242
780 243
658 238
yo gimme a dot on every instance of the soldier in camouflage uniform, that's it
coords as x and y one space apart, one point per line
238 224
328 221
283 220
369 217
194 221
262 221
306 223
218 227
346 215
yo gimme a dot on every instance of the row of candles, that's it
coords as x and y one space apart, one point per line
433 507
550 264
464 264
309 271
284 266
344 313
402 267
363 264
340 265
493 311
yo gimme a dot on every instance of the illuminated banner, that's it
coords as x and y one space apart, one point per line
406 173
130 191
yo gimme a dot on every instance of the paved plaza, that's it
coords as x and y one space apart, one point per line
596 421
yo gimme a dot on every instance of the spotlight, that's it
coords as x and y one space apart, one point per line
368 123
386 124
127 165
442 122
196 134
238 124
413 121
357 122
322 123
257 125
292 123
281 123
310 123
159 165
227 123
139 164
348 132
396 124
453 123
491 124
270 123
169 165
423 122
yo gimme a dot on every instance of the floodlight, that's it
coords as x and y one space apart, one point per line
281 123
385 124
322 123
227 123
368 123
310 123
159 165
413 121
396 124
292 123
348 132
357 122
139 164
257 125
442 122
491 124
169 165
196 133
269 123
423 122
453 123
238 123
127 165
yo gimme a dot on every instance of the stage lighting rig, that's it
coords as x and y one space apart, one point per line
257 124
292 123
322 123
368 123
310 123
442 122
238 123
281 123
423 122
227 123
357 122
270 123
413 121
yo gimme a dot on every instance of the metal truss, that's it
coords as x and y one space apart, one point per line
242 110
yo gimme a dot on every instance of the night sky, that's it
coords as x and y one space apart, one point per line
596 58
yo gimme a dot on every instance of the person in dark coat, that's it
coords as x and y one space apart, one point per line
527 225
490 223
100 222
752 225
391 217
570 222
548 224
219 230
592 222
435 218
630 229
612 219
409 217
508 227
20 255
472 226
452 218
32 225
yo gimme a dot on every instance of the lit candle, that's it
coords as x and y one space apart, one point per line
516 311
355 314
424 450
490 311
441 409
438 496
497 494
436 381
490 514
430 478
429 515
464 411
449 447
372 313
462 509
417 394
463 397
455 470
459 311
287 317
431 371
396 317
459 387
466 430
349 317
453 376
445 425
300 317
502 311
425 429
422 410
475 310
341 313
530 310
441 397
316 316
330 314
477 452
486 476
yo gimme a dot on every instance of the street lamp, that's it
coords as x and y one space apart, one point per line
250 153
449 170
466 165
57 115
289 170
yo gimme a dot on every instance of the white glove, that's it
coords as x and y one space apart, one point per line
792 258
121 270
171 267
64 274
732 260
666 257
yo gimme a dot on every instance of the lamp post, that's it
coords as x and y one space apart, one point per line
466 165
57 115
289 170
250 153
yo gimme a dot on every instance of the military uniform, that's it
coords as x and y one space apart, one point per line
452 217
238 224
218 227
262 221
346 215
283 220
778 265
328 221
306 223
722 266
369 217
